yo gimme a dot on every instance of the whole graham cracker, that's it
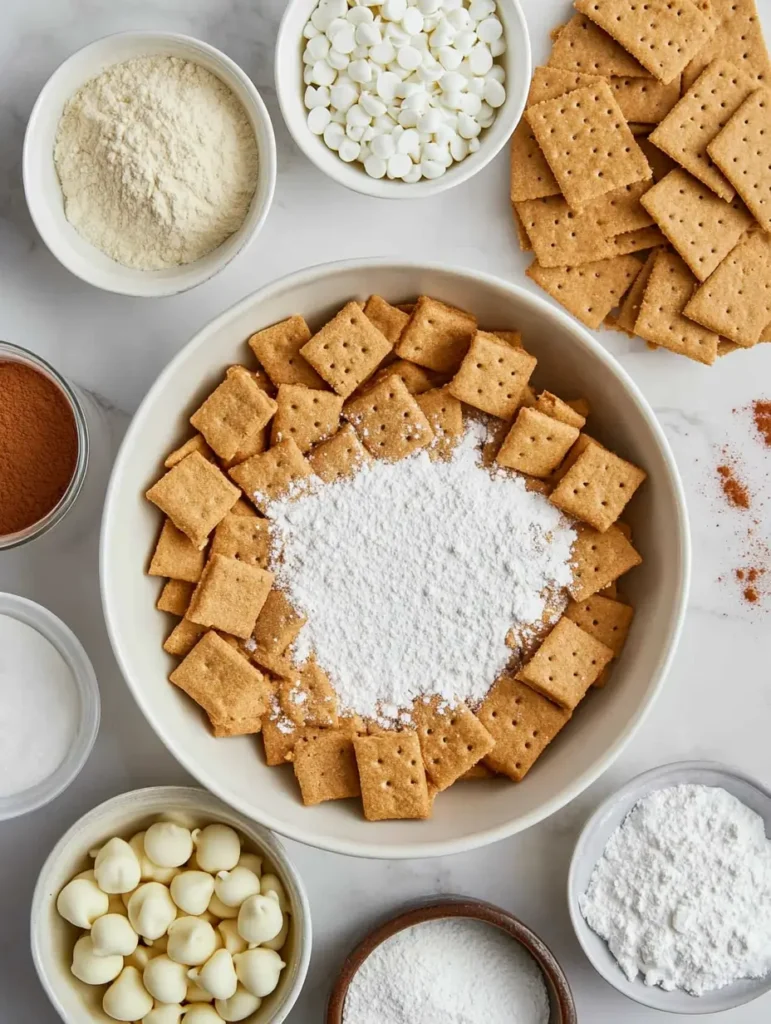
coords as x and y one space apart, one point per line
599 559
245 538
566 664
307 415
597 487
739 39
742 151
175 597
583 46
644 100
176 556
663 35
581 444
340 456
272 474
445 416
451 740
437 336
566 412
308 698
347 349
536 443
389 320
195 496
236 410
606 620
183 638
229 595
389 421
560 236
591 291
392 776
278 623
195 444
278 350
325 767
620 211
492 376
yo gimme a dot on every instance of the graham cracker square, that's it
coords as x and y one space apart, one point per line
550 82
621 211
277 623
445 416
586 140
566 664
272 474
278 350
701 226
339 457
393 780
258 375
636 241
389 320
306 415
560 236
739 39
492 376
530 174
451 740
583 46
597 488
630 307
233 412
589 292
742 151
496 432
183 638
245 538
347 349
663 35
522 723
606 620
308 698
662 318
195 444
645 100
279 736
175 597
693 123
565 412
279 666
325 767
417 379
230 595
437 336
581 444
242 508
536 444
389 421
195 496
599 559
176 556
231 691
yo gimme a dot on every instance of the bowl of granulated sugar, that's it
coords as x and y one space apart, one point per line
454 960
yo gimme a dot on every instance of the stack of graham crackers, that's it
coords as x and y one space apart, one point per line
641 173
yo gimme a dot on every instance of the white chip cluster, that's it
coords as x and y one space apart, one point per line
404 87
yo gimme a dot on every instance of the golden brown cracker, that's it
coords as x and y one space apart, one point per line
637 241
583 46
175 597
195 496
278 623
245 538
621 211
599 559
451 740
589 292
492 376
389 421
645 100
437 336
176 556
347 349
565 412
566 664
235 411
306 415
606 620
560 236
272 474
308 698
230 595
417 379
389 320
195 444
530 174
325 767
739 39
183 638
536 443
278 350
597 488
742 151
340 456
630 307
393 780
445 416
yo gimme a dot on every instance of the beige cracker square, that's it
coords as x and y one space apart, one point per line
256 440
445 416
451 740
566 664
636 241
306 415
736 300
175 597
742 151
183 638
536 444
644 99
231 691
662 34
389 421
340 456
586 140
230 595
582 443
621 211
522 723
694 122
325 767
565 412
233 412
308 698
176 556
607 621
195 495
388 319
599 559
589 292
561 237
259 376
630 307
530 174
437 336
270 475
661 319
245 538
278 350
195 444
701 226
550 82
347 349
393 780
597 487
279 737
277 624
492 376
583 46
739 39
417 379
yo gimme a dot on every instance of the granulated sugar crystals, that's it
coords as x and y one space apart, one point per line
411 573
682 892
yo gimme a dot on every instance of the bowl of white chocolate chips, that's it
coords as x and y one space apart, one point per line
163 905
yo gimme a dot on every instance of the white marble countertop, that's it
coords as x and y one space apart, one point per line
717 703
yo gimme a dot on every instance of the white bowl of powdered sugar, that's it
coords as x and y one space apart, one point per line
149 163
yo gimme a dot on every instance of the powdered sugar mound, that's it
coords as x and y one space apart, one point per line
410 575
682 893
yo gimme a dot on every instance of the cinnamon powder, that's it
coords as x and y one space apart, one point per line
38 446
761 413
734 490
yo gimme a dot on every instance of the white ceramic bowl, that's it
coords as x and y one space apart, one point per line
466 816
53 938
290 90
41 183
589 848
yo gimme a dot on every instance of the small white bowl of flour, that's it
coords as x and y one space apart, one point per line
149 163
669 888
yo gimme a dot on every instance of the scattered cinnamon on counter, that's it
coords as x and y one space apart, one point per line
761 413
750 577
734 490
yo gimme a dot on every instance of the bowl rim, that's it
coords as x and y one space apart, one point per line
439 908
551 313
169 794
382 188
151 286
664 775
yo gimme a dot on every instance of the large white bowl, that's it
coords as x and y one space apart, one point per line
41 182
290 89
467 816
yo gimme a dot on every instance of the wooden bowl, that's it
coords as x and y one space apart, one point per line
563 1008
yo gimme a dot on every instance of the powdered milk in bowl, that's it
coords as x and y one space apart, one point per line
469 813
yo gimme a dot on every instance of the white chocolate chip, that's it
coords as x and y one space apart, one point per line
112 935
81 902
258 970
92 969
127 999
165 980
240 1006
